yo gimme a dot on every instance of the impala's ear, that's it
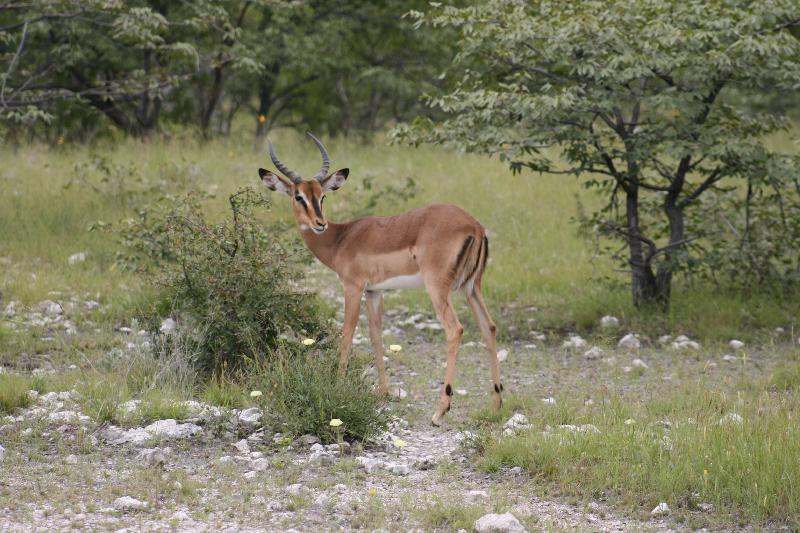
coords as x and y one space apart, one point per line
274 182
335 180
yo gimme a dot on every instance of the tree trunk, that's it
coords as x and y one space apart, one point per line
648 288
210 105
676 238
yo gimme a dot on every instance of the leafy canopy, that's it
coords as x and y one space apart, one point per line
641 97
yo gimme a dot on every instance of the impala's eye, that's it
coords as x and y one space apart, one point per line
300 199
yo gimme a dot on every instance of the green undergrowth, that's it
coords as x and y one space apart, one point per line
683 445
13 392
302 393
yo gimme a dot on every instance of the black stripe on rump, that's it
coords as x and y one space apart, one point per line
475 265
461 255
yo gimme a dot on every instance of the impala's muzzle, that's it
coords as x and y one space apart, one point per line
319 229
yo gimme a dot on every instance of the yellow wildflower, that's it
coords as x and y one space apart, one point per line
335 422
308 342
395 348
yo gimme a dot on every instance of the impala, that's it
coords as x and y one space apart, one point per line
439 247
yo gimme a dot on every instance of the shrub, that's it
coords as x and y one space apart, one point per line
13 392
234 281
302 393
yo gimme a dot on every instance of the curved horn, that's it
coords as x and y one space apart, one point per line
288 172
326 162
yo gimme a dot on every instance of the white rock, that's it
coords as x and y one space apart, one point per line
662 509
593 353
127 503
129 407
250 475
474 496
502 355
585 428
2 453
609 321
461 392
68 417
706 507
11 309
370 464
153 456
398 393
683 343
518 419
630 341
165 429
398 469
729 358
167 326
180 516
498 523
242 446
51 308
574 341
260 464
549 400
664 339
250 417
321 502
736 344
79 257
321 459
317 447
638 363
71 459
731 418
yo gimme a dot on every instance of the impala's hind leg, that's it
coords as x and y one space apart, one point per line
453 331
375 316
489 332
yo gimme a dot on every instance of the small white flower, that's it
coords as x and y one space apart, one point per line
255 393
308 342
395 348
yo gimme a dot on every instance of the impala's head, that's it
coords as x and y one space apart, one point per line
307 195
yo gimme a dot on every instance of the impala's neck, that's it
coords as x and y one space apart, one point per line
324 246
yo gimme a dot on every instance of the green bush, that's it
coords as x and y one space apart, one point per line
13 392
234 282
302 393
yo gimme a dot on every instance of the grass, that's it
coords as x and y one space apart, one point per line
303 394
441 514
55 194
672 445
13 392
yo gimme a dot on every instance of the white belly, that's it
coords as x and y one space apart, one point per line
414 281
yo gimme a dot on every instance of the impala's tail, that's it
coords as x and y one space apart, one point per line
471 262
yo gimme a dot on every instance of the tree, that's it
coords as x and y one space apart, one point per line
635 96
119 58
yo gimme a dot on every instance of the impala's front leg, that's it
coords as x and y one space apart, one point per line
352 307
375 316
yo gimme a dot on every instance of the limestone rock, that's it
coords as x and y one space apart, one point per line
498 523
